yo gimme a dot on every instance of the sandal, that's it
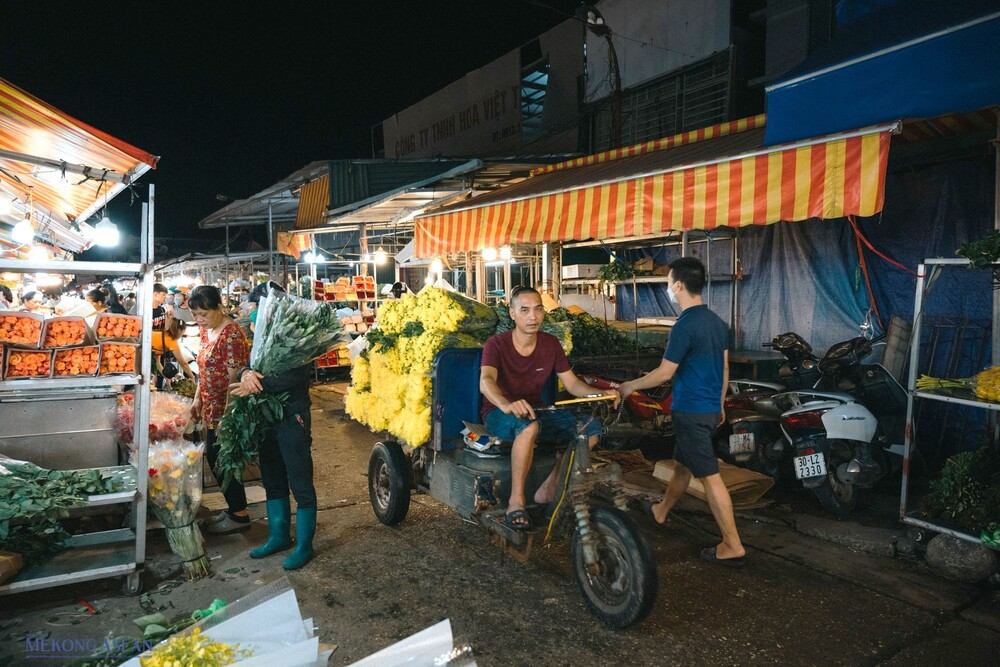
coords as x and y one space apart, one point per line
709 556
517 520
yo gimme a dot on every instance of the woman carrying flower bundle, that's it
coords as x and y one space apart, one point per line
224 351
285 458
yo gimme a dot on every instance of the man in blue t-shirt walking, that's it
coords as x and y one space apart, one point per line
697 360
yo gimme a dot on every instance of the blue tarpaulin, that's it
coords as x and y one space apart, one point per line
917 59
806 277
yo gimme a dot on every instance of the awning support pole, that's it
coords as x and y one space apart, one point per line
227 265
468 275
735 305
481 278
546 285
97 173
270 243
994 421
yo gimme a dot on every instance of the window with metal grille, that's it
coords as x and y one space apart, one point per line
693 97
534 83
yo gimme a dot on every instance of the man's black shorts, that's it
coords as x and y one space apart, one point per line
693 442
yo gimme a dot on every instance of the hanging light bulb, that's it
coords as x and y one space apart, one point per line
437 266
23 232
380 256
490 254
106 233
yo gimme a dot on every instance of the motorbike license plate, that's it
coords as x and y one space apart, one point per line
740 443
812 465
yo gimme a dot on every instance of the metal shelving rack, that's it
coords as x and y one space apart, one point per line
109 553
906 516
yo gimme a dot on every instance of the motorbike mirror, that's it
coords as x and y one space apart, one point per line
808 364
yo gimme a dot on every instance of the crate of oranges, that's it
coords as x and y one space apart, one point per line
74 361
119 358
65 332
118 327
23 329
27 364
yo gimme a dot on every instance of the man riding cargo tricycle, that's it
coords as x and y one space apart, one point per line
471 471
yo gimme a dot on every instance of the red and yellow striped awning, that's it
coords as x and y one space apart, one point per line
728 181
32 127
313 200
674 140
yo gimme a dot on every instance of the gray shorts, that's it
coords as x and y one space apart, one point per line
693 442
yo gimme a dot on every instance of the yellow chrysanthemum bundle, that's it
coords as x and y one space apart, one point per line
391 382
985 385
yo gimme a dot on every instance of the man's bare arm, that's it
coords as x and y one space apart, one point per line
579 388
656 377
491 390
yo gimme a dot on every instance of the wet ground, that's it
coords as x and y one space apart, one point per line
802 599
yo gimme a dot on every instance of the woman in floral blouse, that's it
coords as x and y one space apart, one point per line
224 351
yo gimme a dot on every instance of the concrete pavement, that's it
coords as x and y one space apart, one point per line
800 601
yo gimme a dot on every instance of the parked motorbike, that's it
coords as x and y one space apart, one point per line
752 436
840 445
641 422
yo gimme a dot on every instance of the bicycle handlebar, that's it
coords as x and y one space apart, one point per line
570 402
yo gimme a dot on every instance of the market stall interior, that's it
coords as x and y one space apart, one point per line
63 376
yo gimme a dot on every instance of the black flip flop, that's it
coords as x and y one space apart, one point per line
515 515
649 511
709 556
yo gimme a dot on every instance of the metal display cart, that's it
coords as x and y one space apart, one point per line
926 274
39 404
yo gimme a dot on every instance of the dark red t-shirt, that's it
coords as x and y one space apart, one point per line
522 377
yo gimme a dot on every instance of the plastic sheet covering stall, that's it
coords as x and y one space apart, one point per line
797 277
930 212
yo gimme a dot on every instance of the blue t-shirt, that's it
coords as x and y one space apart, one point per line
697 342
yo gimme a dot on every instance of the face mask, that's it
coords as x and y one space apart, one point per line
672 294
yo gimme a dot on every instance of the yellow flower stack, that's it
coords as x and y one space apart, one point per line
985 385
391 382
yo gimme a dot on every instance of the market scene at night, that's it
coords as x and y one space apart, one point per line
534 332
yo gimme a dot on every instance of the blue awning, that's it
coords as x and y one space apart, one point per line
952 69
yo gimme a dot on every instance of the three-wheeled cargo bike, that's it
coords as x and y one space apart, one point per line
611 560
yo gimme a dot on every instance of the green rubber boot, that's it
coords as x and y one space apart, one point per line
305 529
279 517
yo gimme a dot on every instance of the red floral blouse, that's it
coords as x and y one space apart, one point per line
215 360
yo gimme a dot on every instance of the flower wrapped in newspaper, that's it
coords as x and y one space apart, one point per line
174 497
291 333
390 382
